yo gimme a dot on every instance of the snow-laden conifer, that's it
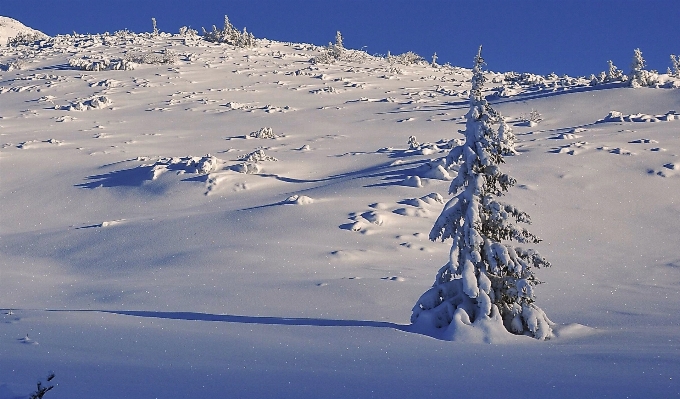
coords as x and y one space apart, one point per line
639 76
487 283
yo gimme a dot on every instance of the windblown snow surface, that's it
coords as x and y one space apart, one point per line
245 223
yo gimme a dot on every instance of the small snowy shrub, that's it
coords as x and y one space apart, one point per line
263 133
337 52
486 283
413 144
101 64
531 119
25 39
248 168
97 102
230 35
123 34
332 52
188 32
527 79
198 165
165 57
407 58
204 165
614 74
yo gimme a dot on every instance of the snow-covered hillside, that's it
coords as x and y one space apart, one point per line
10 28
189 219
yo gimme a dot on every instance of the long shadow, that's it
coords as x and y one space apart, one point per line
133 177
550 93
264 320
389 174
374 171
58 67
493 100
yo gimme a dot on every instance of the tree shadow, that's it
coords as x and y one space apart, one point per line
387 171
521 97
58 67
263 320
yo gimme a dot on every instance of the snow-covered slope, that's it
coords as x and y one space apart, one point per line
11 28
159 240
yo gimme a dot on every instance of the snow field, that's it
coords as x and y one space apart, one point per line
134 249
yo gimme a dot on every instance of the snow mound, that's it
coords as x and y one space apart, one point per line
374 217
488 329
412 181
248 168
616 116
574 330
413 212
97 102
299 200
435 169
112 223
10 28
567 136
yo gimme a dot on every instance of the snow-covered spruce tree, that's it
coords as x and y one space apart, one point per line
639 77
487 284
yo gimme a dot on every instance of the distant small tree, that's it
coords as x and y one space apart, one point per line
675 62
337 51
187 32
155 31
338 41
485 280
